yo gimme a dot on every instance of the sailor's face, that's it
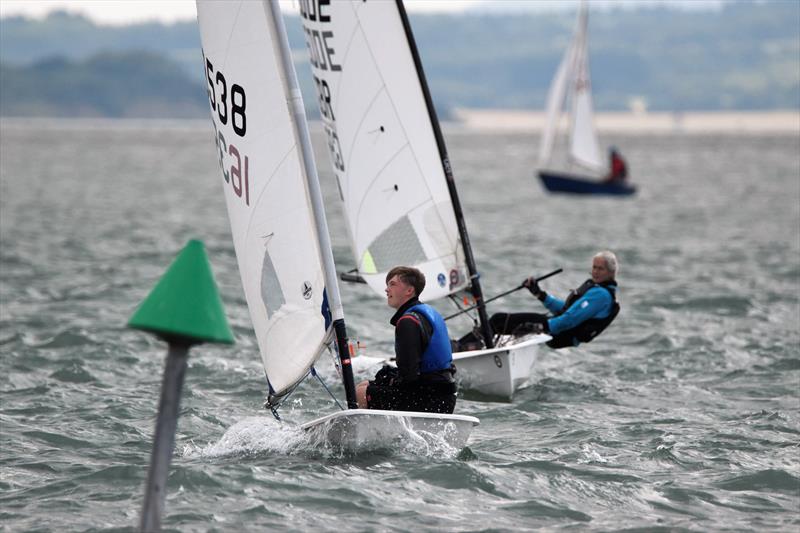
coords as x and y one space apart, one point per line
600 272
398 292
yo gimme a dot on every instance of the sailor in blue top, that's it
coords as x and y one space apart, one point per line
424 377
586 312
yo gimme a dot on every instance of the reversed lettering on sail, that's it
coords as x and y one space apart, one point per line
381 144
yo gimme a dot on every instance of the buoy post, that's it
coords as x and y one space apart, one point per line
183 309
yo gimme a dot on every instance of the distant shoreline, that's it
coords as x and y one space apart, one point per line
690 122
498 121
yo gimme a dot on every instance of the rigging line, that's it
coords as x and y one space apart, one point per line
462 309
282 398
314 373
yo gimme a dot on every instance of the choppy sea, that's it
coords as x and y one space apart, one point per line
683 416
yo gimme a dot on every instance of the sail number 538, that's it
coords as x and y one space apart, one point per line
234 164
219 98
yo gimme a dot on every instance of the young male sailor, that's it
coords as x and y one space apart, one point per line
587 311
424 379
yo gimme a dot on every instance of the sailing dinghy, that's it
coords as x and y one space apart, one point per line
278 224
393 172
571 87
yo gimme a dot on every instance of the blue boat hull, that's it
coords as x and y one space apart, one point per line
571 184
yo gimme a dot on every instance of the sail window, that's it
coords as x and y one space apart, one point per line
396 245
271 292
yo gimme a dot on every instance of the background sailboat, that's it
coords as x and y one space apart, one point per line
572 87
277 220
393 172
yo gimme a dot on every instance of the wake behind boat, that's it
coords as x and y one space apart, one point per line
277 218
571 89
392 169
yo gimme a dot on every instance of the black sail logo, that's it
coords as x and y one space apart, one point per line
307 290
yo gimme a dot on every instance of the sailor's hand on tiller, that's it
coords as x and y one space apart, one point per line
531 284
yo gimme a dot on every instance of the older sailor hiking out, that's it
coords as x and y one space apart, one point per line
586 312
424 379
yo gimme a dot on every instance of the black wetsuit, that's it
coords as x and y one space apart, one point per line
405 388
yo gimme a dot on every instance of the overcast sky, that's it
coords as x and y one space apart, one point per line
130 11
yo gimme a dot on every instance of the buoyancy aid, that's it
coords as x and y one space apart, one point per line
587 330
438 354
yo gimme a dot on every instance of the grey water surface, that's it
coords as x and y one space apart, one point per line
683 416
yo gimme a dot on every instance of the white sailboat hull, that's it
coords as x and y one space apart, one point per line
494 374
363 429
498 372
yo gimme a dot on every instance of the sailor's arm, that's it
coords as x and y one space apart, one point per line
553 304
593 304
409 348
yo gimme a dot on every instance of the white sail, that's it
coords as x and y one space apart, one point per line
556 97
572 86
382 144
268 204
583 140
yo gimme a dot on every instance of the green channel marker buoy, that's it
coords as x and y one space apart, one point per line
184 308
185 305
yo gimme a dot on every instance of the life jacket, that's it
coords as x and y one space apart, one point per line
618 168
587 330
438 354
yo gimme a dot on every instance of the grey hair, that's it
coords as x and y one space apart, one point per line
611 261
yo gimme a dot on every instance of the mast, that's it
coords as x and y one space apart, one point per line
295 102
583 145
475 285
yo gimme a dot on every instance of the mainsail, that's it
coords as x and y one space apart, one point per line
382 145
274 235
555 102
572 85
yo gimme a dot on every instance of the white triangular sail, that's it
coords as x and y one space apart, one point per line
274 235
583 140
556 97
382 144
572 86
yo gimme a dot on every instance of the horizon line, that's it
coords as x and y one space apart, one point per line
112 12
